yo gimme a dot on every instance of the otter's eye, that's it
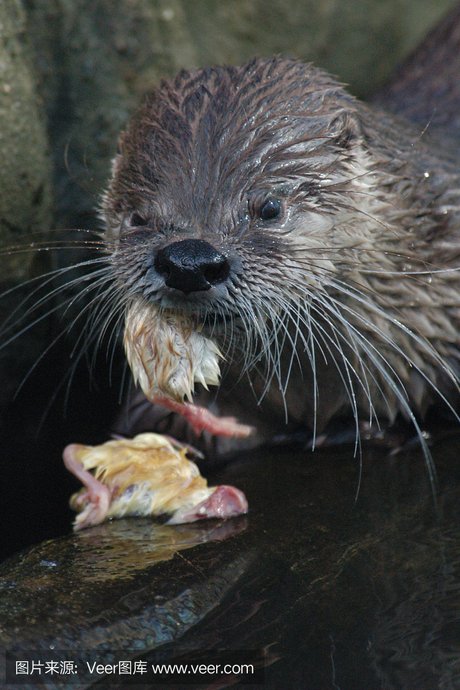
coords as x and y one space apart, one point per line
271 208
136 219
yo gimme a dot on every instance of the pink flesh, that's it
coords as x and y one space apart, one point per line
97 495
224 502
202 419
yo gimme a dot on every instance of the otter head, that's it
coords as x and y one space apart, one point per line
227 188
248 199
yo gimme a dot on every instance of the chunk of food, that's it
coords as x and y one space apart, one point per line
167 356
166 353
148 475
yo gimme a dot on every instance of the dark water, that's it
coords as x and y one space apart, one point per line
325 590
344 595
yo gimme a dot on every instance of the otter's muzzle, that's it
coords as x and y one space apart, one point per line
191 265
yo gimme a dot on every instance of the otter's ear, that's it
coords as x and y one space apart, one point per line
116 163
116 160
348 130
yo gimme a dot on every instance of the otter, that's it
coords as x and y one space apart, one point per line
314 238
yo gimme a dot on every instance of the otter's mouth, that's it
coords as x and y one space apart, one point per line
218 324
208 322
168 355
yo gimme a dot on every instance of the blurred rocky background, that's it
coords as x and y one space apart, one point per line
71 72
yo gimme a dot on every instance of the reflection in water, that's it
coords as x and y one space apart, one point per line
121 548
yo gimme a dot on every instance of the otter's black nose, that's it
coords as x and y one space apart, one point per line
191 265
